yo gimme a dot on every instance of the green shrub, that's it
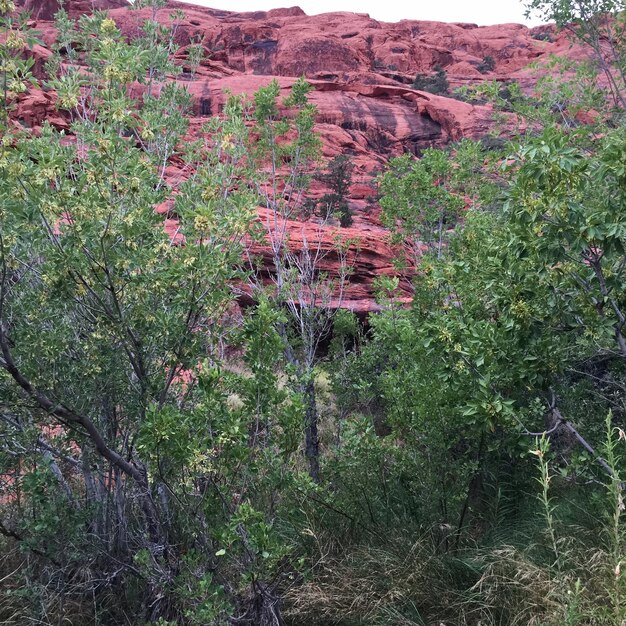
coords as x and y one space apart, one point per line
436 84
488 65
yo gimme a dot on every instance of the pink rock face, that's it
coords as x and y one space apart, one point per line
45 9
361 70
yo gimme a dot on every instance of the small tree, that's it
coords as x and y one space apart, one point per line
339 178
601 25
418 203
195 54
487 65
286 151
436 84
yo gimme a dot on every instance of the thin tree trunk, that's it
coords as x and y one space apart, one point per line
311 437
121 526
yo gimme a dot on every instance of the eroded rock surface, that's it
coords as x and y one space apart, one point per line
361 70
45 9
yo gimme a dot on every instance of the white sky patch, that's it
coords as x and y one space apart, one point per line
482 12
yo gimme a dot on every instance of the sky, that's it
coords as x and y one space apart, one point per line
477 11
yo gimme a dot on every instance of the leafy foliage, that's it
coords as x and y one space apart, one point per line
134 448
437 83
338 178
599 24
180 460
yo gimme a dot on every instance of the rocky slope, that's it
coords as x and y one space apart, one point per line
361 70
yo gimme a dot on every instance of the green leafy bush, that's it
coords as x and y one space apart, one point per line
436 84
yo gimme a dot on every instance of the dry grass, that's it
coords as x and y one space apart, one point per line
516 590
411 585
372 585
34 592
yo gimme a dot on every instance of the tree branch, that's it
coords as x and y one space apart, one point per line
65 414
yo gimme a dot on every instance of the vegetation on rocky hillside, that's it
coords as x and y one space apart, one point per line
189 438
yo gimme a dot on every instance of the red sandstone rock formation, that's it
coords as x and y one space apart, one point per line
45 9
361 70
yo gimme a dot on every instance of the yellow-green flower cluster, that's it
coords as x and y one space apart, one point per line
7 6
14 41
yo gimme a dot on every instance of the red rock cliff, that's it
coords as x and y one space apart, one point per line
45 9
361 70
